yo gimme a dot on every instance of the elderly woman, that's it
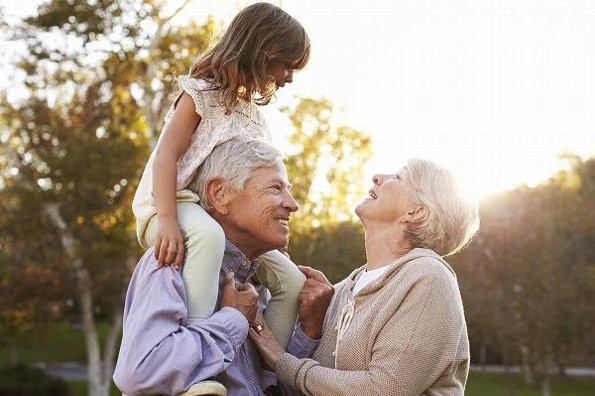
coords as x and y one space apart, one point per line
396 325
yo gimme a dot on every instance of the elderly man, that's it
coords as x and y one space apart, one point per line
161 353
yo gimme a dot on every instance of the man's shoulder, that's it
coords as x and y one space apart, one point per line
148 267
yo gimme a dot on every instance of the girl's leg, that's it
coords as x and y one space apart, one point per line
284 280
204 242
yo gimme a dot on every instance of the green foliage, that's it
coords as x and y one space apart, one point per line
98 77
326 166
336 249
326 171
28 381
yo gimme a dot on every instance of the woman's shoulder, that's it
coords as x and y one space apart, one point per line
424 263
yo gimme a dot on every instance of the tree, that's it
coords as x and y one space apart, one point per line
99 76
326 171
527 280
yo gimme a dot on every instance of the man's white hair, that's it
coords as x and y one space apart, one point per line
233 161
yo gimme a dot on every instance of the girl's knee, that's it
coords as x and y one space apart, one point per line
281 276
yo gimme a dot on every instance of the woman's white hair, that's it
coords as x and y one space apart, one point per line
233 161
452 219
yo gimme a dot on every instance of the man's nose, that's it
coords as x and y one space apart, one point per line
290 203
289 76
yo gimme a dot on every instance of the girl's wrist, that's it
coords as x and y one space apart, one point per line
167 216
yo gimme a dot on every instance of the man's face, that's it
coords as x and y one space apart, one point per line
258 216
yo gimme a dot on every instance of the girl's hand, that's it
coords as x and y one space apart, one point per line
313 301
269 348
169 244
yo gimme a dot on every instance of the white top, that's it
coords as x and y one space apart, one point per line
214 128
367 277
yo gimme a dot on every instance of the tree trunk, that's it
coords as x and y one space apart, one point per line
111 342
94 366
508 376
14 353
546 385
483 353
97 384
526 366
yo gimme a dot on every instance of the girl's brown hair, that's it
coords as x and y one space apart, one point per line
237 65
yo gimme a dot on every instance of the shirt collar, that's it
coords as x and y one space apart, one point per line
235 261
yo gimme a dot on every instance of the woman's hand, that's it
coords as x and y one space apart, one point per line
269 348
314 300
169 244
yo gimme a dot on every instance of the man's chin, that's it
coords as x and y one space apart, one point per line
282 243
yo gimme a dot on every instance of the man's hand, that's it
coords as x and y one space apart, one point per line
242 297
169 243
314 300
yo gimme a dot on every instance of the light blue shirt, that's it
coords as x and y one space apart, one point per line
161 353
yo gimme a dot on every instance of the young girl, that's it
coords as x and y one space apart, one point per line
257 54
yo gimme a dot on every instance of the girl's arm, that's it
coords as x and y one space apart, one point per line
169 242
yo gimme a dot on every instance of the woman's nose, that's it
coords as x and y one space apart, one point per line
377 179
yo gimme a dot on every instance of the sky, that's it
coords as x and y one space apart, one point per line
494 90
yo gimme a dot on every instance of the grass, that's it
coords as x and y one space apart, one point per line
479 384
79 388
63 343
496 384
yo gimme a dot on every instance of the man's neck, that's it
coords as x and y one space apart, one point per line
239 240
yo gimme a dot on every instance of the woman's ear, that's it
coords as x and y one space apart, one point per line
219 195
416 214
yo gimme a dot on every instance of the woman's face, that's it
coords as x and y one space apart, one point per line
388 199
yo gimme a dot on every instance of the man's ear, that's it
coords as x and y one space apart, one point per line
415 214
219 195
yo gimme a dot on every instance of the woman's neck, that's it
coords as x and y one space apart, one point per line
385 246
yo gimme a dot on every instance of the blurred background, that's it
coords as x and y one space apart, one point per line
500 92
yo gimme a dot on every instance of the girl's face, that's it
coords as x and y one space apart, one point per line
281 71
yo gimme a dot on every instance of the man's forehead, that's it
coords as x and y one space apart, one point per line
275 173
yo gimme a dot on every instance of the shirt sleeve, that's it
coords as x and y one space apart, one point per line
300 345
159 353
196 90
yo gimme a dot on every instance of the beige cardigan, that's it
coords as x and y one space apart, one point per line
407 336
